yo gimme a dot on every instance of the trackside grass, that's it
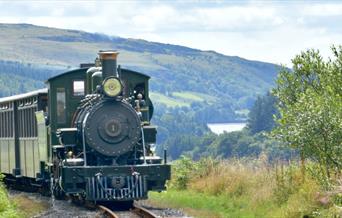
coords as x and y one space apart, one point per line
203 205
7 208
247 188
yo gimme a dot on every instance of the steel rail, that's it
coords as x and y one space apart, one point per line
143 212
107 211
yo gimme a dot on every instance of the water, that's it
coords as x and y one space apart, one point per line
219 128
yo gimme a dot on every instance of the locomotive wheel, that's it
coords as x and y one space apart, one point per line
45 190
58 192
77 199
90 205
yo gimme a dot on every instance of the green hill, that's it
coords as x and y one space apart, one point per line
181 76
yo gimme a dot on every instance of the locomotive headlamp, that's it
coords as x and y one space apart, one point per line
112 86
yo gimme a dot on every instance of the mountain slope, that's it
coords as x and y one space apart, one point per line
233 82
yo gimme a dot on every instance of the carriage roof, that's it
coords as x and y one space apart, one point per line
25 95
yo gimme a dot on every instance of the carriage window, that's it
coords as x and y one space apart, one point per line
78 88
61 105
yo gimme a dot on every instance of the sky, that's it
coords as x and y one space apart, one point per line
271 31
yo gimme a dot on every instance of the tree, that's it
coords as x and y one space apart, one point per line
260 118
310 108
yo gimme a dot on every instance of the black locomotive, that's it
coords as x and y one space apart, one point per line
88 135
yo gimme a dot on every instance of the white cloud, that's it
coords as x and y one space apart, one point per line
237 17
323 9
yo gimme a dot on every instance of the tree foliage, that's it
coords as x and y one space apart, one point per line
310 106
182 132
260 117
16 77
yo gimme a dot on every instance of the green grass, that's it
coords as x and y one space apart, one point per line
194 96
143 60
168 101
7 208
204 205
191 96
181 99
28 207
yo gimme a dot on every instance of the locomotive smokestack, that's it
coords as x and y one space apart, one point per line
108 62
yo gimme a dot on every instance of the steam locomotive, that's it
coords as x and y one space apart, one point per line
87 135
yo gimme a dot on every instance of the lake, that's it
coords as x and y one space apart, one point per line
219 128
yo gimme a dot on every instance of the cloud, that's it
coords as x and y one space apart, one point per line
238 17
327 9
148 17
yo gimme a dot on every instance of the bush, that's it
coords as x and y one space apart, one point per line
185 169
182 172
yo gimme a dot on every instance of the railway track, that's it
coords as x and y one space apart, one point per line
107 212
69 209
136 210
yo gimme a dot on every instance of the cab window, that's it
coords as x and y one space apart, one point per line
78 88
61 118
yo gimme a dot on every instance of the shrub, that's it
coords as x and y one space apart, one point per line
185 169
182 171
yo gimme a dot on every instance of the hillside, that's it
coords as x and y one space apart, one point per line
181 76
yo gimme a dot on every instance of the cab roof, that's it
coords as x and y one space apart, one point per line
86 68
